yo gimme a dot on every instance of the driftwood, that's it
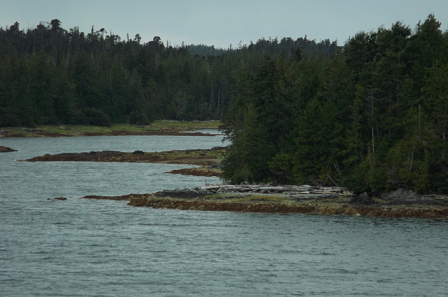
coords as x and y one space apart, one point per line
292 189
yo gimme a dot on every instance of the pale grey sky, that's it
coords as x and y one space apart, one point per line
224 22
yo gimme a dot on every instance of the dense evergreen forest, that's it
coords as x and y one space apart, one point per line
372 116
50 75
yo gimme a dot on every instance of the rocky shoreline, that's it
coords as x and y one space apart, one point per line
207 159
4 149
258 198
293 199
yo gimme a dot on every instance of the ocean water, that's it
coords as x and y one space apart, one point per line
84 247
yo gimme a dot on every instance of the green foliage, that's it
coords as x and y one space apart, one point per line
51 75
373 117
96 117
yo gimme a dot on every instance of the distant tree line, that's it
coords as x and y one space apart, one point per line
372 116
50 75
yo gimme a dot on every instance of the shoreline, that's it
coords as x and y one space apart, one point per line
207 159
164 128
321 203
42 133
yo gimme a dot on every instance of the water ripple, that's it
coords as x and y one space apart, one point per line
83 247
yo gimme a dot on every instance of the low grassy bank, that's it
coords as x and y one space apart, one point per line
83 130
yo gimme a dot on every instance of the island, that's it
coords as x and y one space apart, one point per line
208 160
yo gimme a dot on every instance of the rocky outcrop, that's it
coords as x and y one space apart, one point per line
202 171
327 203
409 197
58 198
86 156
4 149
208 159
362 199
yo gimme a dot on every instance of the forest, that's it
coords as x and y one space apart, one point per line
372 116
50 75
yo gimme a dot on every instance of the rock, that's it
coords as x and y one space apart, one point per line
362 199
138 153
57 198
401 196
4 149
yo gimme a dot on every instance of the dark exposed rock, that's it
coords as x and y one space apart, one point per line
57 198
407 196
362 199
400 194
4 149
196 157
90 156
123 197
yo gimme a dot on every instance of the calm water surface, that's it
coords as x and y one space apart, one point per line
83 247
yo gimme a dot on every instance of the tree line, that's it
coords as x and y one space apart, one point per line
50 75
372 116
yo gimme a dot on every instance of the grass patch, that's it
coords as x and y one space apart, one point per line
185 126
203 154
74 130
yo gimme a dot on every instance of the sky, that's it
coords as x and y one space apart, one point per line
224 22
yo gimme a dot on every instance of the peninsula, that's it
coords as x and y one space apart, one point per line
292 199
267 198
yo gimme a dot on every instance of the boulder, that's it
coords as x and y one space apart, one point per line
362 199
401 195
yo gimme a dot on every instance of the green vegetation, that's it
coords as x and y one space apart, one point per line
161 125
193 157
50 75
74 130
371 117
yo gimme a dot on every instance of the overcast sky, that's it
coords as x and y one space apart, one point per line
224 22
